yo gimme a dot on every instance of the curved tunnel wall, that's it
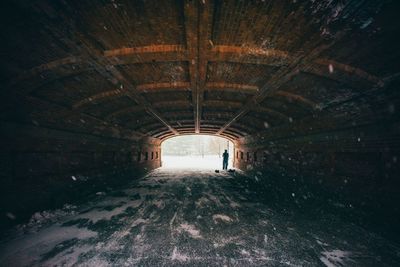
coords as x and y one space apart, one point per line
349 163
43 167
306 88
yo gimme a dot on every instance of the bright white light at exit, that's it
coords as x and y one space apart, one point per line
195 152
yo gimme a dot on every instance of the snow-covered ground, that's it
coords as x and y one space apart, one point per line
190 218
212 162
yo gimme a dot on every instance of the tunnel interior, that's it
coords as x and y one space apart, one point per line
306 91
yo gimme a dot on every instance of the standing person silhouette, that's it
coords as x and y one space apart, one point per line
225 157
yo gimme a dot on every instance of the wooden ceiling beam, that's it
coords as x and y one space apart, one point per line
205 24
328 68
168 104
159 87
230 136
157 131
240 126
127 51
297 98
99 96
191 16
189 124
198 23
248 55
208 103
232 130
320 66
146 54
164 137
232 133
233 87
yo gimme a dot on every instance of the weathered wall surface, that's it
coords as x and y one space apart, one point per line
44 168
349 161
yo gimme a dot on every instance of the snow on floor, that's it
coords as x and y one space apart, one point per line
189 218
335 257
210 162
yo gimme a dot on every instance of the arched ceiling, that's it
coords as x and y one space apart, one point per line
164 68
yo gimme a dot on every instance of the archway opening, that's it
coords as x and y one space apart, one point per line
196 152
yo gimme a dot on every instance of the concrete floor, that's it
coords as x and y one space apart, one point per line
190 218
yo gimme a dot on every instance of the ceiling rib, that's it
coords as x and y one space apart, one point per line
297 98
280 78
108 70
198 23
143 49
64 112
206 11
163 86
232 87
162 53
191 30
133 94
99 96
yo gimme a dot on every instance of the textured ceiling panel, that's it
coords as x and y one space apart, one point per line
211 64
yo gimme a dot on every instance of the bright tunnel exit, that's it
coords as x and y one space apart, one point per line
196 152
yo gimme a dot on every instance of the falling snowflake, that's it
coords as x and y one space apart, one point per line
331 68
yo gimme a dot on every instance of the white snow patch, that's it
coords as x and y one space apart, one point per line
68 257
43 217
190 229
97 215
28 249
334 258
98 262
178 256
222 217
208 162
245 252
